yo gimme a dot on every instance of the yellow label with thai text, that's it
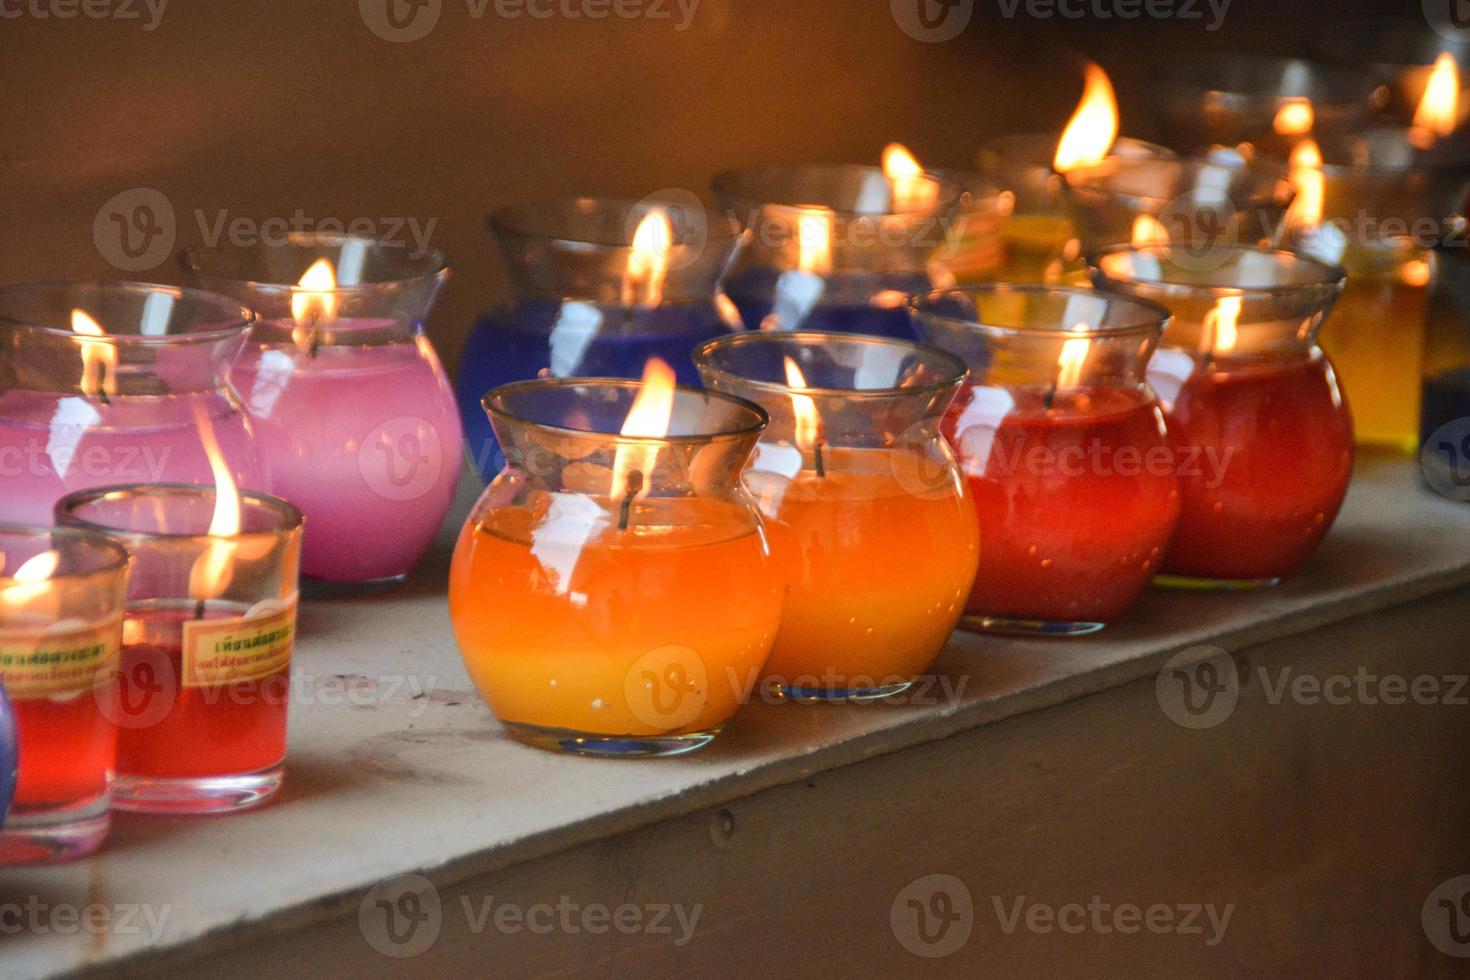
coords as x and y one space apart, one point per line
226 651
45 663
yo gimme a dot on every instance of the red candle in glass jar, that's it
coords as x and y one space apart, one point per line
1260 426
1064 448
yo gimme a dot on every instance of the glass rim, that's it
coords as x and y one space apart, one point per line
1195 71
243 318
1156 323
1009 146
291 518
754 427
1263 176
959 370
120 555
951 190
1332 275
537 218
189 259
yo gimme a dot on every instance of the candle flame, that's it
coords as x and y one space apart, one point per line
99 359
1310 184
1438 109
214 567
1071 361
648 260
32 578
1093 127
814 240
1295 117
649 417
313 302
1147 230
1416 273
803 408
1221 332
912 191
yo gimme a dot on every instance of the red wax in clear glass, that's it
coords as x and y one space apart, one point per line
66 747
219 730
1282 439
1076 501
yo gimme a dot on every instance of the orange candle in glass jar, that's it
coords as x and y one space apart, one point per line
872 533
611 589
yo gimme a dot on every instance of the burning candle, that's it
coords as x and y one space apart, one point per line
347 396
1064 448
599 287
1038 242
1244 384
61 604
611 592
104 379
871 531
840 248
207 641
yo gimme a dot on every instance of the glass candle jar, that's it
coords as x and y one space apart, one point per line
871 531
836 248
61 608
207 642
1038 242
1197 202
1375 335
1208 101
1063 445
1445 416
598 286
348 399
1252 402
102 382
612 593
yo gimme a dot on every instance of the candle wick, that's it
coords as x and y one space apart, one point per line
817 459
625 510
315 340
199 609
1051 396
102 397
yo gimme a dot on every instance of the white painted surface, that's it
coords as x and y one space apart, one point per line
382 782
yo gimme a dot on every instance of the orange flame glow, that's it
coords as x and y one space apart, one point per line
1221 331
649 417
213 569
32 578
1439 108
648 260
808 424
912 191
1093 127
1294 118
1148 231
99 360
1071 361
1310 184
814 240
314 302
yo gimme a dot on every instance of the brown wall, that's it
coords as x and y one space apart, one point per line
261 107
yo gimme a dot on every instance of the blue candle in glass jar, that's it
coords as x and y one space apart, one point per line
599 286
841 247
1444 420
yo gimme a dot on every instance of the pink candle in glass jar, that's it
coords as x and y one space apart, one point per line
348 400
104 383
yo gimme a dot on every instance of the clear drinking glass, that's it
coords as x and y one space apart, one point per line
612 594
104 382
837 247
1253 405
871 530
61 615
207 642
348 398
590 298
1063 446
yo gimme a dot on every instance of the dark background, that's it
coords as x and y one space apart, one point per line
261 107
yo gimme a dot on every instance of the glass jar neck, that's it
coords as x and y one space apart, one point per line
116 367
